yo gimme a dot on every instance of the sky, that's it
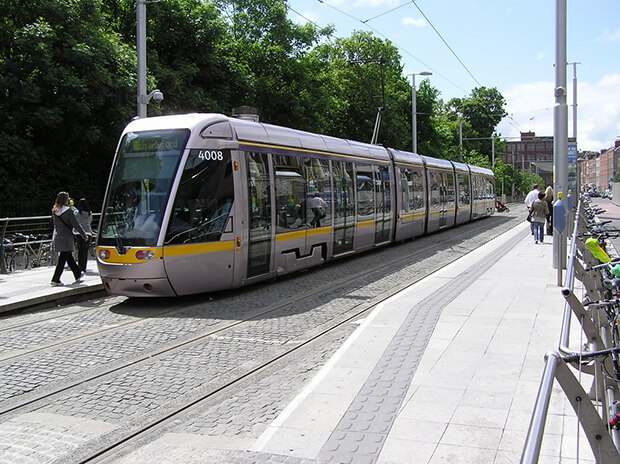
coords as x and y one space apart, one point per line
509 45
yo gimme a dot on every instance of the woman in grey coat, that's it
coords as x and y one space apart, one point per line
64 223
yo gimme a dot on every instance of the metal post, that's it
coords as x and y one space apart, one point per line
575 63
560 131
141 50
414 117
414 112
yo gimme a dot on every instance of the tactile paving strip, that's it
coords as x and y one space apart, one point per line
361 433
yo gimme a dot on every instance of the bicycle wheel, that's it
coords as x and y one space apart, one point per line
20 261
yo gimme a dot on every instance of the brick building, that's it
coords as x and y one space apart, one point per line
531 153
598 169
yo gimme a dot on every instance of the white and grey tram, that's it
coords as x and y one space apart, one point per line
204 202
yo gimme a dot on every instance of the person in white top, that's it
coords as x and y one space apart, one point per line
532 196
529 199
318 207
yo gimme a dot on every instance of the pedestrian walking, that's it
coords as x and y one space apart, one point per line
549 199
85 217
529 199
64 223
539 211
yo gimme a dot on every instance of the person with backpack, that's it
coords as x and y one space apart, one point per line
64 222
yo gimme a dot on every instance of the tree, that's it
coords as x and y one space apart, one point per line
272 53
364 74
482 111
66 88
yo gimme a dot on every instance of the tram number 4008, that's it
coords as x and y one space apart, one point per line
210 155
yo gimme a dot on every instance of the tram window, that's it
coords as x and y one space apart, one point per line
436 189
406 190
418 190
318 183
140 186
464 194
450 188
365 192
290 192
344 206
204 199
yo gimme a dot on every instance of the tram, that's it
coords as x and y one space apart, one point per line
205 202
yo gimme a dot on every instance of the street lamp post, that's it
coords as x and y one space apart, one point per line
143 99
414 115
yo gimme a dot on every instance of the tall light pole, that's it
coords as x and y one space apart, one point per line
143 99
414 114
560 139
575 63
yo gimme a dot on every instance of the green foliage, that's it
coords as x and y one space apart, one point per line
65 84
480 114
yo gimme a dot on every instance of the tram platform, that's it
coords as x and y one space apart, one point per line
23 289
467 395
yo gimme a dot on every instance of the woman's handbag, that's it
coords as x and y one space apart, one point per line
529 216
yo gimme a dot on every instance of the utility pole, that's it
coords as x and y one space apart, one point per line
414 111
560 141
143 99
575 63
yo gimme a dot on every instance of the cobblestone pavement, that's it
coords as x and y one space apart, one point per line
75 421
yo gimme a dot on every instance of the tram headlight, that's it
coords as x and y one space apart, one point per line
144 255
104 254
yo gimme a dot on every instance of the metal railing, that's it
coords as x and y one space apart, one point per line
595 361
17 228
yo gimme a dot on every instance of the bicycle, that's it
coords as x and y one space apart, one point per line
26 257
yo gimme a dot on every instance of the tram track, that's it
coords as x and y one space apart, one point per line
454 242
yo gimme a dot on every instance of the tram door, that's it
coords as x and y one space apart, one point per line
344 207
383 204
438 200
259 205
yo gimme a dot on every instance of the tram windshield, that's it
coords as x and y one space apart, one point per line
140 187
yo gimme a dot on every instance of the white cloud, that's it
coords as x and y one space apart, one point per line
417 22
598 114
610 36
541 56
305 17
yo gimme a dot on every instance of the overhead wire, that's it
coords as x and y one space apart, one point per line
446 43
400 47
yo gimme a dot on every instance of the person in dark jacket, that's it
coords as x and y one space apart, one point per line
85 218
64 223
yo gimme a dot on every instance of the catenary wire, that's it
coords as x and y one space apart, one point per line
400 47
446 43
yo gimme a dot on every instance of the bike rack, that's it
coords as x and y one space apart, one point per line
604 442
26 225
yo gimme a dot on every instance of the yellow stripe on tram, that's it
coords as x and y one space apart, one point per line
198 248
365 223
